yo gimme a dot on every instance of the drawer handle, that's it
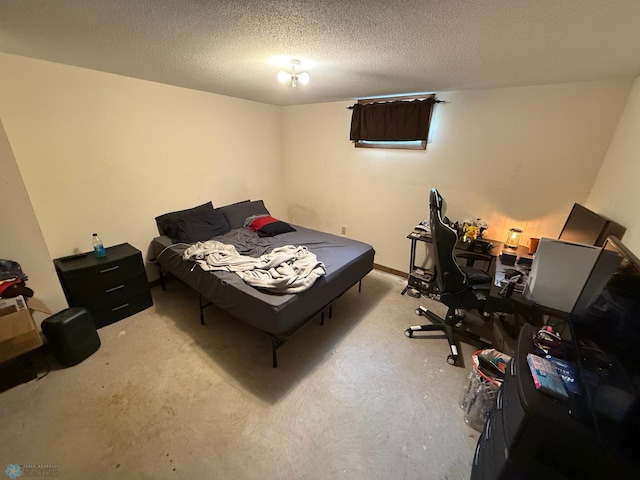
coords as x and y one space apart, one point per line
111 269
120 307
109 290
476 457
487 429
499 399
513 367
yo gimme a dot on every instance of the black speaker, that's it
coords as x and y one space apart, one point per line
72 335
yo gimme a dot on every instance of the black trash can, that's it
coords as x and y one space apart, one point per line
72 335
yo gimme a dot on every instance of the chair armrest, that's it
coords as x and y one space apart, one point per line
471 257
481 287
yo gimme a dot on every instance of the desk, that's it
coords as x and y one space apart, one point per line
517 303
421 279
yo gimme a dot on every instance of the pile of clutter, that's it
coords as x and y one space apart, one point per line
13 280
19 333
487 374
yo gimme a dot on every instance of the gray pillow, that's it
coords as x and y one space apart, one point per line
200 227
167 223
238 212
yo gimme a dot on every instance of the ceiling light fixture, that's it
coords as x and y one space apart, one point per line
293 76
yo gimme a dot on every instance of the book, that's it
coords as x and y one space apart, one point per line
546 377
569 375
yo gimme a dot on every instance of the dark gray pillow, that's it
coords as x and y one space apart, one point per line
238 212
275 228
167 223
200 227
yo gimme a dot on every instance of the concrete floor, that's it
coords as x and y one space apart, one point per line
165 397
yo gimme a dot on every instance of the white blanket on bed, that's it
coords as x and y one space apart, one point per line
286 269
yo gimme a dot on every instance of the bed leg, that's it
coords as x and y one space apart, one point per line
201 310
359 285
274 355
162 284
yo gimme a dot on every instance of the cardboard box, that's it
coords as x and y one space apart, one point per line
12 305
18 331
37 305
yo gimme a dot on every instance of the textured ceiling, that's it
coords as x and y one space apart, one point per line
351 49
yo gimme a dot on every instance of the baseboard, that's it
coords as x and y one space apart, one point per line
393 271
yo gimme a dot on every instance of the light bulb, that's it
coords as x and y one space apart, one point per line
303 78
293 77
284 77
513 238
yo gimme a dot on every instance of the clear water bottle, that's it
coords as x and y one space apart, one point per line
98 247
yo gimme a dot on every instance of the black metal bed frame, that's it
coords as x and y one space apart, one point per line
276 341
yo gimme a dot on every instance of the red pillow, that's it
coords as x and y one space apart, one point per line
260 222
267 226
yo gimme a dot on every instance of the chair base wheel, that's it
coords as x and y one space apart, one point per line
409 333
452 359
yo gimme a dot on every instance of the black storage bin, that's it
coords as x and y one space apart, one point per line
72 335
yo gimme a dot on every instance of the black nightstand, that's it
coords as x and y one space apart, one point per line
111 288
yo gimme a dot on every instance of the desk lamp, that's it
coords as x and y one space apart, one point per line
513 238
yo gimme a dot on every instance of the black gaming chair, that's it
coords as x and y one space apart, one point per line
459 287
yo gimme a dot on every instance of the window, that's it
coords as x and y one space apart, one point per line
406 144
397 122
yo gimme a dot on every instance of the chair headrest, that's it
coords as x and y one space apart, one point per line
437 202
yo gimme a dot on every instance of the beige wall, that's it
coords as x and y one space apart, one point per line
616 190
20 237
515 157
105 153
101 152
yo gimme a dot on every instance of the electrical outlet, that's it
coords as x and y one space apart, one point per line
343 231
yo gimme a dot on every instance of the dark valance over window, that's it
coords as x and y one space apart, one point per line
392 121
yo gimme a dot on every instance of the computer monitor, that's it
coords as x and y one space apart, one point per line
588 227
559 272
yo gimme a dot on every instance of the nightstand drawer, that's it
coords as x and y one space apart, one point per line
482 465
104 275
117 311
515 417
117 291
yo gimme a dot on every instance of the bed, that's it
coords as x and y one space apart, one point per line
345 261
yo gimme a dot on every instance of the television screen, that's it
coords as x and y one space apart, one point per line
583 226
588 227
